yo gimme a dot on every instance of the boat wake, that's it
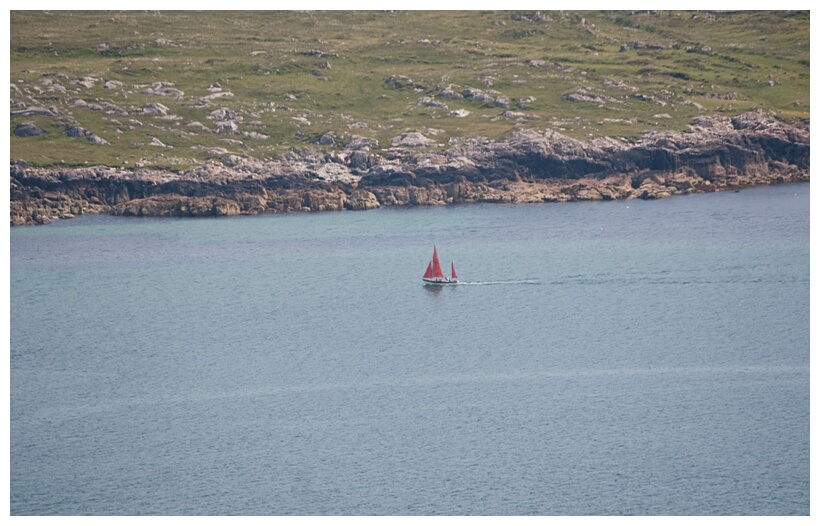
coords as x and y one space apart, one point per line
505 282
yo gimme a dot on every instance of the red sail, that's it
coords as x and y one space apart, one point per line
429 272
453 269
437 273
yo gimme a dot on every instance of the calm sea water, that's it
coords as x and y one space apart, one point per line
603 358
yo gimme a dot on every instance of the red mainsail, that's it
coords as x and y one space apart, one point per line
436 265
453 270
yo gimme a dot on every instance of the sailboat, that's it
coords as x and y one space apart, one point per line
434 276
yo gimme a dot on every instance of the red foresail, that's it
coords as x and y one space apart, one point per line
429 272
453 270
437 273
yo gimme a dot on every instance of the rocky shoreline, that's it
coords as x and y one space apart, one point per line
529 166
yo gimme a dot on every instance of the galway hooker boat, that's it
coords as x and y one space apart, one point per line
433 274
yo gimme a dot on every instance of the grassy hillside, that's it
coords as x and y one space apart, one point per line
287 78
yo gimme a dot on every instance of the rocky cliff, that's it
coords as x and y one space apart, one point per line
528 166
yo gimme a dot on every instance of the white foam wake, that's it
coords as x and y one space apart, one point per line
505 282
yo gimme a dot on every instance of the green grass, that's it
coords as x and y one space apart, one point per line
262 57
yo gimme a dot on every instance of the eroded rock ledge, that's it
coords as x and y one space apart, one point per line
529 166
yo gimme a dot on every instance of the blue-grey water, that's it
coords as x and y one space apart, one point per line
638 357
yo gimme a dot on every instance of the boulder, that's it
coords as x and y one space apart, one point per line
357 142
87 82
231 161
399 81
163 91
226 127
502 101
327 139
96 139
430 102
584 96
449 94
155 108
222 114
76 131
28 129
478 95
412 140
520 103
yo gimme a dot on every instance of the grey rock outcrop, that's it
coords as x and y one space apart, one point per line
28 129
226 127
96 139
412 140
35 110
529 165
357 142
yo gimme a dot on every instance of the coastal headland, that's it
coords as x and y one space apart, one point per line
186 114
530 166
